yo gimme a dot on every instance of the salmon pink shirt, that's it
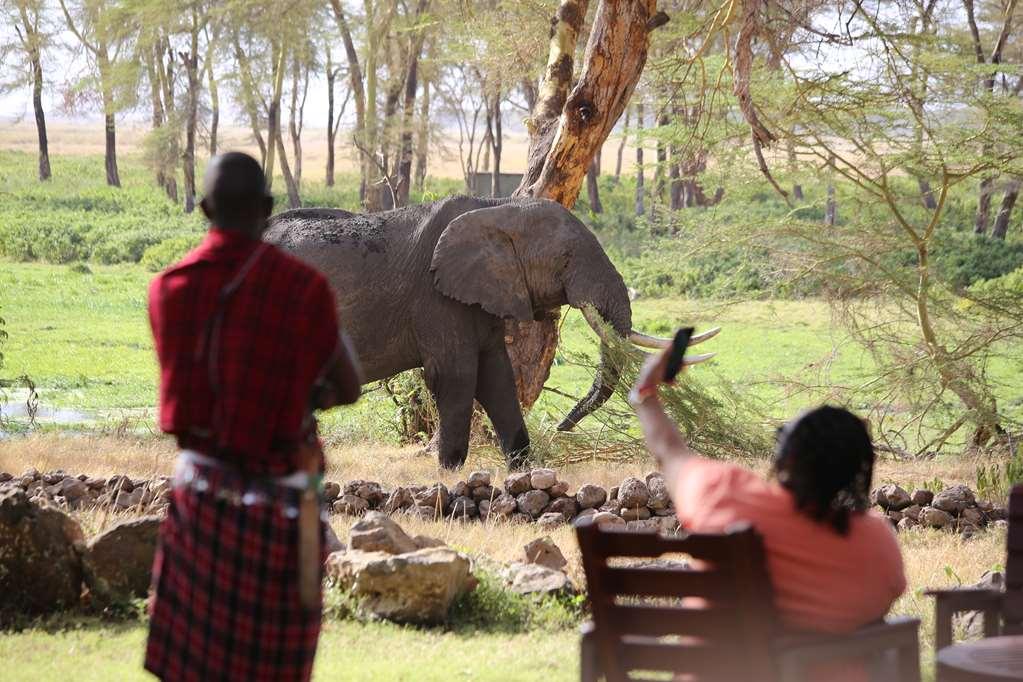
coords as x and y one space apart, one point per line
823 581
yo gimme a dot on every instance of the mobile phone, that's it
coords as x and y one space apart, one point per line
678 350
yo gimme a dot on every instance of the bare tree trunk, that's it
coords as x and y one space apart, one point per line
983 206
191 63
790 150
273 118
249 99
37 105
296 117
294 201
1005 210
621 146
109 123
423 137
592 190
331 130
358 93
211 80
496 142
639 159
163 99
662 161
831 208
408 108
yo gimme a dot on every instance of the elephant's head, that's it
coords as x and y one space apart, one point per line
521 258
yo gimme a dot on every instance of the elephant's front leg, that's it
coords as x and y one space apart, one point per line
453 385
495 391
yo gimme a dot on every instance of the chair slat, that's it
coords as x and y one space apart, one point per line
710 623
668 582
626 543
712 662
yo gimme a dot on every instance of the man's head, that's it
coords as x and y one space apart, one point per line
825 459
235 196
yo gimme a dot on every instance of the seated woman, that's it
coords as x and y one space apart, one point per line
834 565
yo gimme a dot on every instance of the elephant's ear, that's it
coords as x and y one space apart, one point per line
475 262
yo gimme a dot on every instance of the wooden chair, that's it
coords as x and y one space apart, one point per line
645 622
1002 611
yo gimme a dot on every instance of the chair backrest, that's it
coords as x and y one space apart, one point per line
645 620
1012 605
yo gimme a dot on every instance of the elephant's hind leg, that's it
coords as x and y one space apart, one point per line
495 391
452 387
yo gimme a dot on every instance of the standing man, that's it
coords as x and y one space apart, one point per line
248 343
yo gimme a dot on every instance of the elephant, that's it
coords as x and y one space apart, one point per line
431 286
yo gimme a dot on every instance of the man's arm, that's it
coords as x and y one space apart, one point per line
663 438
342 382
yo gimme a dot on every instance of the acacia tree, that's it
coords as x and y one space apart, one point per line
26 18
861 126
567 127
98 27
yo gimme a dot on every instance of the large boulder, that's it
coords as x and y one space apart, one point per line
40 556
118 563
633 493
935 518
590 496
418 587
532 502
542 479
659 498
517 483
376 532
891 497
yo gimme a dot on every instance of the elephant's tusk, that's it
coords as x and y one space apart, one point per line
647 341
697 359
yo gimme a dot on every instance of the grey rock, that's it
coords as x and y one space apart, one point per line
559 489
922 497
435 496
399 500
377 532
912 512
935 518
967 530
607 519
954 499
659 498
478 479
974 515
425 512
633 493
550 520
612 494
584 517
973 621
119 483
418 587
891 497
566 506
895 517
998 514
130 500
460 489
651 524
118 563
483 507
425 542
331 491
352 505
332 543
40 562
590 496
634 513
463 508
517 483
532 502
537 580
72 488
545 552
484 492
503 505
907 523
367 490
542 479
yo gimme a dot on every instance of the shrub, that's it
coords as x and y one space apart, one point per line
159 256
125 248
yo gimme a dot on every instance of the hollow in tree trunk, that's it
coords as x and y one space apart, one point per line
567 127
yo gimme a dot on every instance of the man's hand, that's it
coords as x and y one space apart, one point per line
650 377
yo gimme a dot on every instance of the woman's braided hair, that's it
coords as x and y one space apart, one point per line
825 459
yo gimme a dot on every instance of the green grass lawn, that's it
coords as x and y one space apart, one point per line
99 651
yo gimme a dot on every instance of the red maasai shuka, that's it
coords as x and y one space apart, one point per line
236 373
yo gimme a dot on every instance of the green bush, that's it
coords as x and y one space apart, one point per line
963 259
159 256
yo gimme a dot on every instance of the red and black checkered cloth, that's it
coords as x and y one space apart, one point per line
261 349
226 601
242 331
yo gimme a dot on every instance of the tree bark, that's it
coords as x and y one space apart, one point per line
662 161
408 109
331 130
423 136
639 160
567 129
296 118
831 208
621 147
109 123
273 118
983 217
214 92
249 99
592 190
191 63
294 200
37 105
496 142
1005 210
358 94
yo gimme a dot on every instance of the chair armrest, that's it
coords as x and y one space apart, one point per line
589 664
947 603
795 652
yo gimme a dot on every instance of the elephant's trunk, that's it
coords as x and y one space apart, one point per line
607 377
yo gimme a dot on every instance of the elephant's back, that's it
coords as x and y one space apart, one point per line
320 226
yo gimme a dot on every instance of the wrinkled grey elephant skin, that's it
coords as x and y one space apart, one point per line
431 285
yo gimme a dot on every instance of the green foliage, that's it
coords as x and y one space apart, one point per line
963 259
159 256
493 607
995 480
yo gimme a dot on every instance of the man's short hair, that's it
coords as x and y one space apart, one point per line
235 191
